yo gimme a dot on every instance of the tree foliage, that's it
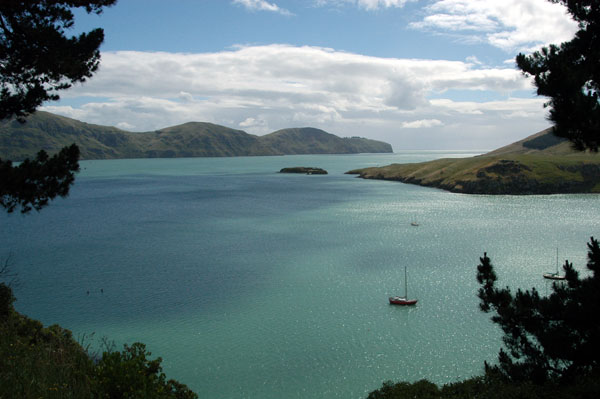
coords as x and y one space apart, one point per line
130 374
46 362
33 183
569 75
37 59
490 386
547 337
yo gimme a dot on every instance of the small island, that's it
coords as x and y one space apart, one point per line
304 170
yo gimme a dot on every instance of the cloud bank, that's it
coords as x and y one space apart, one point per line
264 88
511 25
521 25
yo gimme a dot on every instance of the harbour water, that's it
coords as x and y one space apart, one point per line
254 284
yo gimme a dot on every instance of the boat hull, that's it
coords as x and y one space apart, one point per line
553 276
401 301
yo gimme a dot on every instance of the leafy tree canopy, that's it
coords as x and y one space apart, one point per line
547 337
36 58
33 183
569 74
130 374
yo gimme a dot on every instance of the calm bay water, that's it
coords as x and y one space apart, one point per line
254 284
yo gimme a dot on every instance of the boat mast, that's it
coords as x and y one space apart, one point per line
405 284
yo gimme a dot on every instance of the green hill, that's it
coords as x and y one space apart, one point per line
309 140
51 132
539 164
197 139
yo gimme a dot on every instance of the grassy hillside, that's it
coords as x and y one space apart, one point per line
195 139
315 141
539 164
542 142
52 132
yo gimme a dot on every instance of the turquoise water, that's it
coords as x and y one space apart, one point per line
254 284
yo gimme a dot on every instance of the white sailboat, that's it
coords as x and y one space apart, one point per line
554 276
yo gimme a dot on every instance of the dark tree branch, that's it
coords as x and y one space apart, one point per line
37 60
569 76
557 336
33 183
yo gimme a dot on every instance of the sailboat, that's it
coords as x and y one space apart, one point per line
554 276
403 300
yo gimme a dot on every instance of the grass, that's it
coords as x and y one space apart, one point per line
499 174
38 362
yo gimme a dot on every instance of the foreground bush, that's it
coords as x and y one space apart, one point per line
490 386
46 362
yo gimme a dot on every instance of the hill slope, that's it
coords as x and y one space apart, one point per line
309 140
539 164
199 139
51 132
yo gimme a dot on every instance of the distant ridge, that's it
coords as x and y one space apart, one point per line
308 140
51 132
538 164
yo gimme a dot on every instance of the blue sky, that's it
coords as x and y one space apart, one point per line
419 74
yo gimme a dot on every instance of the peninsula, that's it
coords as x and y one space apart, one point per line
538 164
50 132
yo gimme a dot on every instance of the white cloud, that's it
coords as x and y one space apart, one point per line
252 124
262 5
125 126
374 4
265 88
521 25
366 4
423 123
185 96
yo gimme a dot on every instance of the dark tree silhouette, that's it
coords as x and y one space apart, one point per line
33 183
37 60
569 75
547 337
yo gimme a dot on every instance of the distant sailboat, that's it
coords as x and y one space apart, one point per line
403 300
554 276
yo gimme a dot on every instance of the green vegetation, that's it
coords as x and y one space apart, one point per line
552 342
490 386
32 184
37 61
195 139
543 142
548 338
515 169
46 362
568 75
36 58
305 170
309 140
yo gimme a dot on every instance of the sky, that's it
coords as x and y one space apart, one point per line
418 74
